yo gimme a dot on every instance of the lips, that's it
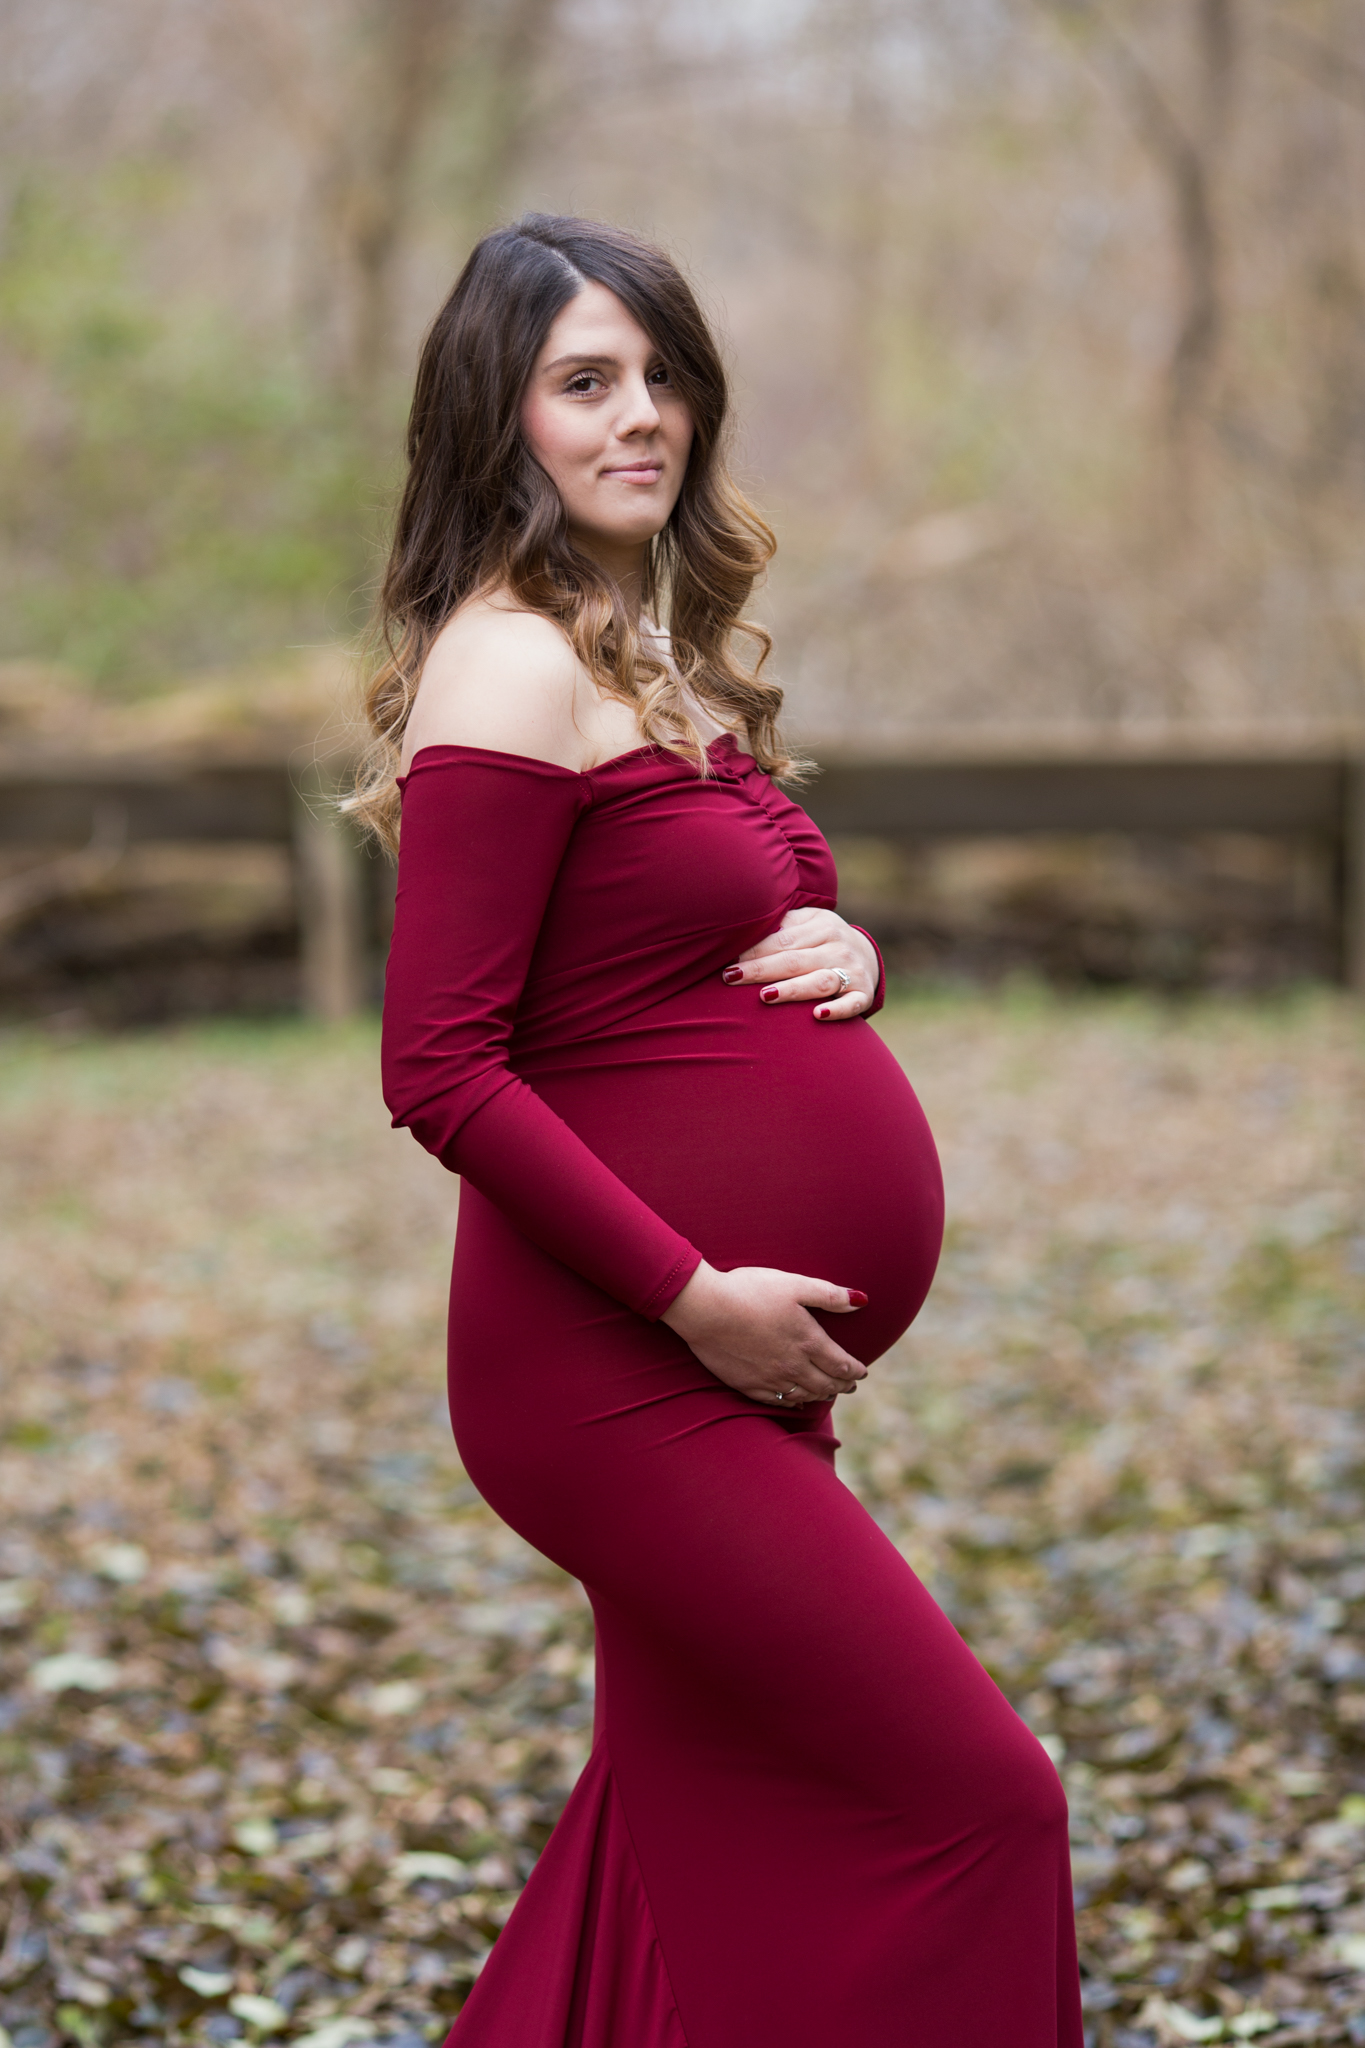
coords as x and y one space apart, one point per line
645 471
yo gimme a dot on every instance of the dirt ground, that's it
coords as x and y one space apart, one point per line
287 1715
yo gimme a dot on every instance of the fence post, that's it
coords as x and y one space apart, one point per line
1353 876
331 908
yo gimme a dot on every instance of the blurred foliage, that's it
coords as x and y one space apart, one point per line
174 491
1083 277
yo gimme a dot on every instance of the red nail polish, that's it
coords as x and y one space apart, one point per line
733 974
857 1297
769 995
822 1013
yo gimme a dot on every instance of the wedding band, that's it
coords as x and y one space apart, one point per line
844 979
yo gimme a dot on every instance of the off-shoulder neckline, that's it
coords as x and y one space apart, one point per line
554 767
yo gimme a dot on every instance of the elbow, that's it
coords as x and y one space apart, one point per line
434 1118
404 1097
432 1089
433 1128
393 1085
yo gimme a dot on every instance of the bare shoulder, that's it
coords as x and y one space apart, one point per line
501 679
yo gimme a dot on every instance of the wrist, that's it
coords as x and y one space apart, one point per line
879 972
688 1306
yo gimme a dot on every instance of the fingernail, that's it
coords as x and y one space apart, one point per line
769 995
733 974
822 1013
856 1298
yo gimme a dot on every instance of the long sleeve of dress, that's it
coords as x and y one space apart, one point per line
483 837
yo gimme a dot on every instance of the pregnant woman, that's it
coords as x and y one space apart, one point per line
699 1198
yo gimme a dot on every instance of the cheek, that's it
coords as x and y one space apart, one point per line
679 430
557 440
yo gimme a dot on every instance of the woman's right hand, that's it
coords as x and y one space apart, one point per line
753 1329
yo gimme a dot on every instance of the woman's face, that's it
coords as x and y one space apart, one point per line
602 418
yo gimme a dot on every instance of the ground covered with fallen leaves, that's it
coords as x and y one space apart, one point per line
286 1715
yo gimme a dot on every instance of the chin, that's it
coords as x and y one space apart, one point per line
636 535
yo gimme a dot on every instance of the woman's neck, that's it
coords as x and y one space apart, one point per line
624 563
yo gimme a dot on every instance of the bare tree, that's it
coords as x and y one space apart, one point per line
1322 62
1188 154
399 70
410 44
515 38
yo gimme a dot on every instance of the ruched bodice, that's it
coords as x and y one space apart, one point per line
665 879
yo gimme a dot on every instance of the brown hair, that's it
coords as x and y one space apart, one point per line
479 513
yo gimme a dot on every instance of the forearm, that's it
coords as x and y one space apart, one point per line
558 1193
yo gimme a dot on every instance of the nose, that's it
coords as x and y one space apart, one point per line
638 414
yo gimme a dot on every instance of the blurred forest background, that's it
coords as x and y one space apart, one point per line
1046 318
1046 325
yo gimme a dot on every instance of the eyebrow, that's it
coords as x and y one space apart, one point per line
588 361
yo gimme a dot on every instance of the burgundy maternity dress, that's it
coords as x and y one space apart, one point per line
809 1820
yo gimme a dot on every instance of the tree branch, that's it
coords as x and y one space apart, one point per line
1317 61
1185 160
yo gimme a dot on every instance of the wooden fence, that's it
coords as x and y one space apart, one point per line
1315 788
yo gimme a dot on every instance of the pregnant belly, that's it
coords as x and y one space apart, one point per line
767 1140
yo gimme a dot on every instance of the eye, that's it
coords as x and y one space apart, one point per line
582 383
659 375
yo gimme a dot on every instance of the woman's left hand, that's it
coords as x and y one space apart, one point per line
802 963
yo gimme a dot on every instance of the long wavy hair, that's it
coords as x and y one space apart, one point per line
478 513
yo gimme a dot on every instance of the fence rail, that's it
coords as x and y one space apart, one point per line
69 802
